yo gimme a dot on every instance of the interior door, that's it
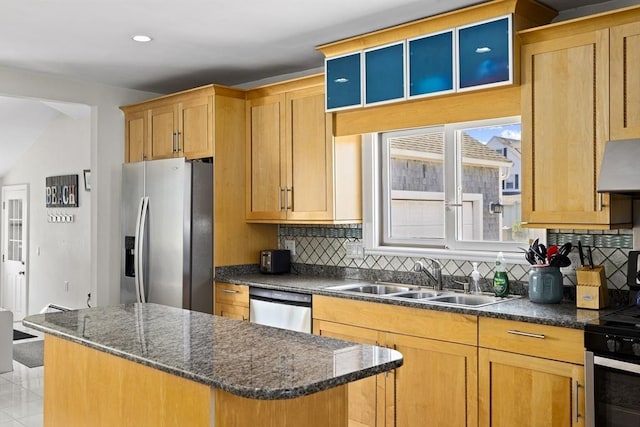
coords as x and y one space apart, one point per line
14 250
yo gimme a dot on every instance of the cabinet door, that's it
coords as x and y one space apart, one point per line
265 158
309 189
135 136
231 311
164 125
366 396
564 127
436 385
196 121
625 81
518 390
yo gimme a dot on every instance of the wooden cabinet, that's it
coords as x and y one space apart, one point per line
296 171
231 301
579 90
530 375
365 395
625 81
437 381
135 125
177 125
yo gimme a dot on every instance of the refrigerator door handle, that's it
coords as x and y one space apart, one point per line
136 251
143 221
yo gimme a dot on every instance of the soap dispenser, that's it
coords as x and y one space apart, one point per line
475 280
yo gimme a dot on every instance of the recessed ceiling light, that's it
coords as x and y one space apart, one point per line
142 38
484 49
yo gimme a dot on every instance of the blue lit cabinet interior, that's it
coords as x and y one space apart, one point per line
343 82
485 55
431 65
384 74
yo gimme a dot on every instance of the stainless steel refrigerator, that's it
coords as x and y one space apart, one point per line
167 233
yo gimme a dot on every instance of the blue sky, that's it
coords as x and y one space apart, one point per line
484 134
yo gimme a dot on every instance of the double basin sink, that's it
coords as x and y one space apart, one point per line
399 291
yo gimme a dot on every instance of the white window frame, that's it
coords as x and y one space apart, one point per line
450 248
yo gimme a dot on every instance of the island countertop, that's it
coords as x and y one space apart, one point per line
241 358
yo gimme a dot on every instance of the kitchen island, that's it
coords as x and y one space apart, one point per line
148 364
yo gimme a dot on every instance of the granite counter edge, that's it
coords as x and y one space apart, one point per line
242 391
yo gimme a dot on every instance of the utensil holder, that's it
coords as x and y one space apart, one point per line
592 291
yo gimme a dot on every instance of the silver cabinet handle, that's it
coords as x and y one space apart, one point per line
526 334
576 390
287 190
178 133
230 291
281 196
600 201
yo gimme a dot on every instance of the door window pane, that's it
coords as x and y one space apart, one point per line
14 251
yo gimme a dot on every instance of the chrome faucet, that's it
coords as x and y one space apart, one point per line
436 276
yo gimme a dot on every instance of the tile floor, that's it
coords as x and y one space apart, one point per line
21 392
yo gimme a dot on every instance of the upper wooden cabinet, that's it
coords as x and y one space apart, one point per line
573 101
625 81
177 125
296 171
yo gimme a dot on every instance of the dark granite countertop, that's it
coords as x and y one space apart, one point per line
245 359
564 314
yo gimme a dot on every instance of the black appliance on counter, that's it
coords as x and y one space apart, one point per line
612 361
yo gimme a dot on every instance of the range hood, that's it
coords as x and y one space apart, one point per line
620 169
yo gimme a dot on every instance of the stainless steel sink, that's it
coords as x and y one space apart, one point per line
377 289
467 300
422 294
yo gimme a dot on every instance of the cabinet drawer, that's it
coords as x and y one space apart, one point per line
440 325
231 311
550 342
227 293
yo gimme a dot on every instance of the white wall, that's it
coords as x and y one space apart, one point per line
57 252
106 156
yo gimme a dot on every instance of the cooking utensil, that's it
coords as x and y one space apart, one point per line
559 260
565 249
581 253
543 252
529 256
590 257
551 251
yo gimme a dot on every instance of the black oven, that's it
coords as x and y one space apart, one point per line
612 361
612 379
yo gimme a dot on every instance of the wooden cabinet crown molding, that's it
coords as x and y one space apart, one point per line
185 95
527 13
590 23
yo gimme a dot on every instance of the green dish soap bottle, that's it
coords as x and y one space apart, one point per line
500 279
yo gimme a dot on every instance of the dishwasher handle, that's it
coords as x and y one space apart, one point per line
284 297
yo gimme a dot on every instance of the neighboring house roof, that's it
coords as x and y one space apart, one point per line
513 145
431 146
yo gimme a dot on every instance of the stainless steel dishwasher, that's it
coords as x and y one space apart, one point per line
280 309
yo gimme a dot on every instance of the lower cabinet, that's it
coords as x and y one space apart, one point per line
530 375
459 370
231 301
519 390
437 383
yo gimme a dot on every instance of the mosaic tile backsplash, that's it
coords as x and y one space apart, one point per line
326 246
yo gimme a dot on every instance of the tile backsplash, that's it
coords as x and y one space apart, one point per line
326 246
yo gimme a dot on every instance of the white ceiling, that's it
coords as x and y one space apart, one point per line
195 42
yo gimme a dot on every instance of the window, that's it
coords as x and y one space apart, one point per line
451 187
